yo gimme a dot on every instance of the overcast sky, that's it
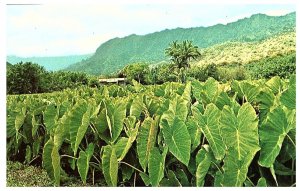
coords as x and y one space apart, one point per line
55 30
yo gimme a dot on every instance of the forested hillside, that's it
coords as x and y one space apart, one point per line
118 52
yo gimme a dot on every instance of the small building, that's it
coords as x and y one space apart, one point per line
113 80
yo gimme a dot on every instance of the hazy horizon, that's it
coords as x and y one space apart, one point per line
57 31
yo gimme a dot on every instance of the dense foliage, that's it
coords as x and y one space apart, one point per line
28 78
195 134
283 66
114 54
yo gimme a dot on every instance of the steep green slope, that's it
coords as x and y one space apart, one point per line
116 53
50 63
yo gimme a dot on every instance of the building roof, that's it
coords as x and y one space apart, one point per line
112 80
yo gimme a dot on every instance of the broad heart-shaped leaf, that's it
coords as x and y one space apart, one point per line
116 114
235 170
156 165
61 132
50 117
78 121
177 138
265 100
109 123
194 131
15 120
51 161
110 165
137 106
240 131
83 162
186 95
272 134
178 107
288 97
275 84
209 124
146 140
203 162
245 90
124 144
196 90
210 91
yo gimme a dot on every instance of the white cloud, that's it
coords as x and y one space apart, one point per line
277 12
71 29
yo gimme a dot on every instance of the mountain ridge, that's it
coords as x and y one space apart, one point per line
115 53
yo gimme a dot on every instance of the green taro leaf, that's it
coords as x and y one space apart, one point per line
124 144
194 131
146 140
275 84
177 138
51 161
137 107
262 182
210 91
183 179
272 134
110 165
83 162
78 121
209 124
171 180
50 117
187 92
145 178
246 90
156 165
115 116
265 100
61 132
240 131
178 107
28 155
203 161
288 97
235 170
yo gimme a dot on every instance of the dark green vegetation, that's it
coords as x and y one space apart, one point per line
28 78
240 133
54 63
116 53
282 66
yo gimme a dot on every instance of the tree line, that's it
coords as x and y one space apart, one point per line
29 78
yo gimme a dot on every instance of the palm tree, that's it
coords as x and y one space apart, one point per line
182 53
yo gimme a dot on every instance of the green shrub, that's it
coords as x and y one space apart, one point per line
282 65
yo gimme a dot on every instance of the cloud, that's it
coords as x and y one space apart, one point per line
277 12
71 28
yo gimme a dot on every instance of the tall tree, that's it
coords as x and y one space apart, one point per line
182 53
